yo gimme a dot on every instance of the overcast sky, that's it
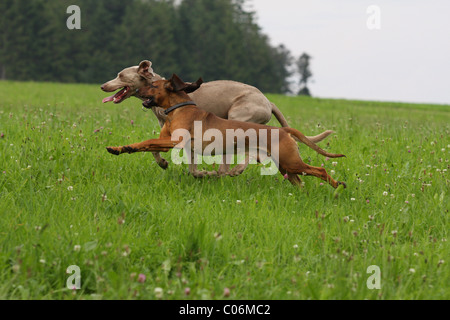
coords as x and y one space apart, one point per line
408 59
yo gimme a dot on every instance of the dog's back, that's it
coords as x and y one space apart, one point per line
220 96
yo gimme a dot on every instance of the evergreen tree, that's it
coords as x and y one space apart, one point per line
147 32
5 36
20 22
214 39
305 73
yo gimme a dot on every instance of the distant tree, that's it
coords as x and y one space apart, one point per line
219 39
214 39
19 24
305 73
147 32
5 37
282 68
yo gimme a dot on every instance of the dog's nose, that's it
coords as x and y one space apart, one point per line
102 87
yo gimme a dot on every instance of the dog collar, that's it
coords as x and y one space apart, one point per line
177 106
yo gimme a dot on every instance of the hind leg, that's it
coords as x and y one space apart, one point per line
293 165
322 174
295 180
292 177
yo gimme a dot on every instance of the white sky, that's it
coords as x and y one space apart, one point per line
407 60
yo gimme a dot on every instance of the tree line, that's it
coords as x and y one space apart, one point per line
213 39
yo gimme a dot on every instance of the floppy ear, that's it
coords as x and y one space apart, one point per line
145 69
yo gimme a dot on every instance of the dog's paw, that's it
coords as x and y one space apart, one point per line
163 164
340 183
198 174
114 150
203 174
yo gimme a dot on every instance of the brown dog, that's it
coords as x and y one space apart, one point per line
226 99
181 112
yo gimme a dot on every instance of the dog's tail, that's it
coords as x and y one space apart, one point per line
318 138
300 136
282 120
277 113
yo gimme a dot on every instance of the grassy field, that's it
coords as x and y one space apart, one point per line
138 232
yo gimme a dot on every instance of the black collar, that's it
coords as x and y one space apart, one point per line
183 104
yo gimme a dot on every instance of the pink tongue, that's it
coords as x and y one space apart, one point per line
109 99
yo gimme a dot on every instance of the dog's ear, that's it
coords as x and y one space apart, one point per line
176 84
145 70
193 86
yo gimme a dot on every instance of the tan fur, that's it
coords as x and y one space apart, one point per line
164 95
226 99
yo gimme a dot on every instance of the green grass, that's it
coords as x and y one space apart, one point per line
65 201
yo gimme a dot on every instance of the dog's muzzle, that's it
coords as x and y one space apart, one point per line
150 103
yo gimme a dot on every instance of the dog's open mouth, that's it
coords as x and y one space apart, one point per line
119 96
150 103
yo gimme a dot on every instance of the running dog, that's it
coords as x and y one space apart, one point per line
182 113
226 99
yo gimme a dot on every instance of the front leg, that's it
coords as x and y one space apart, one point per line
153 145
193 169
165 133
160 160
239 168
225 168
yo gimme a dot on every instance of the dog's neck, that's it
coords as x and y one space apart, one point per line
177 101
178 106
